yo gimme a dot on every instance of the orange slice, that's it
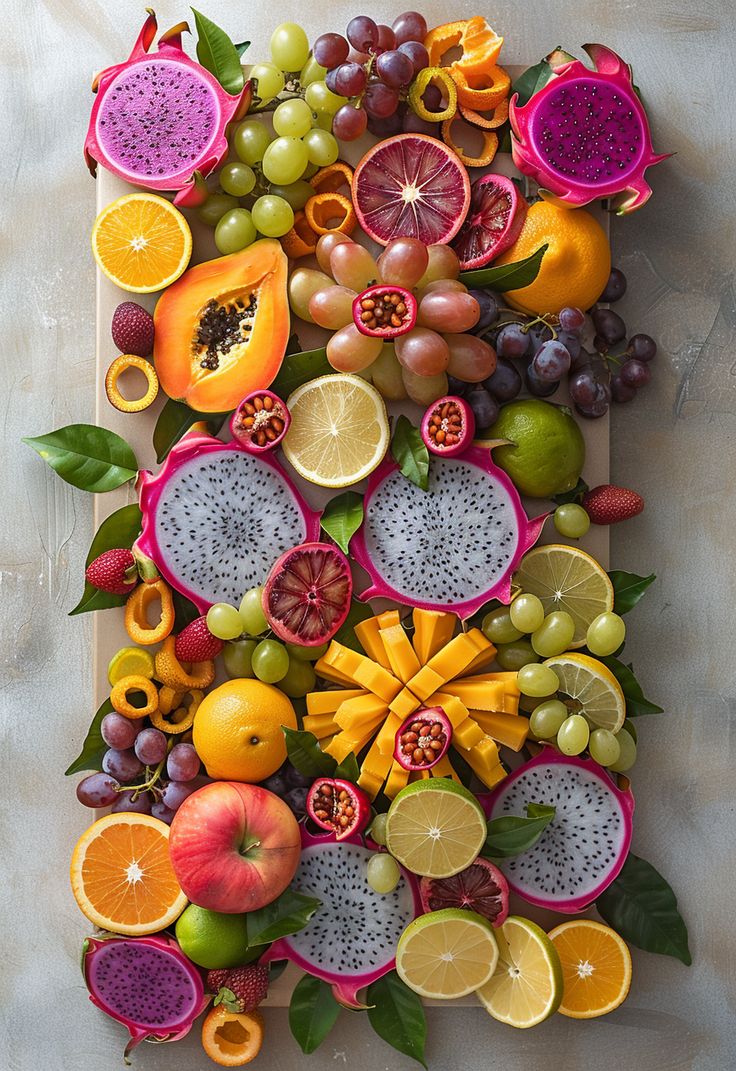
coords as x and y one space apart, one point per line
121 875
232 1039
596 968
141 242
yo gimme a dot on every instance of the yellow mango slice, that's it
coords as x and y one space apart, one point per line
370 783
402 658
387 734
444 768
356 715
397 778
453 707
341 745
484 761
375 763
359 669
321 725
368 633
452 660
432 630
328 702
511 730
404 704
480 695
467 734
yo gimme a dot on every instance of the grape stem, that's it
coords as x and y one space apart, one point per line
540 320
148 786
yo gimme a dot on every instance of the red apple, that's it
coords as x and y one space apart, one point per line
234 847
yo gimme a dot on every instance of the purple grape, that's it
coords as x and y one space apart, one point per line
379 100
362 33
600 345
642 347
583 387
538 334
183 762
125 802
331 79
296 799
580 361
175 792
296 779
635 373
349 122
277 784
330 50
615 287
409 26
119 732
505 383
551 362
432 98
150 746
512 341
571 341
488 308
162 812
540 388
609 325
571 318
620 391
592 398
349 80
386 38
417 53
595 411
395 68
98 790
123 765
414 124
386 128
484 405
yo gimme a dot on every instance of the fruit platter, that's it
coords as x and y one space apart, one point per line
366 729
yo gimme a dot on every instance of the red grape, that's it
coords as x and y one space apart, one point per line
551 361
615 287
409 26
362 33
642 347
150 746
422 351
349 122
635 373
471 359
349 80
122 765
98 790
505 383
386 38
380 100
448 311
330 50
183 762
403 262
609 325
417 53
395 68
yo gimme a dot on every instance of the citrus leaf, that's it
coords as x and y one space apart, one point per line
628 588
636 704
359 611
306 755
120 529
642 908
175 420
300 368
531 81
241 47
313 1012
506 276
287 914
410 453
217 54
574 495
94 747
88 457
342 517
397 1015
348 769
513 834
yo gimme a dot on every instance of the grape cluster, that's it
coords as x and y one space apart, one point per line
291 786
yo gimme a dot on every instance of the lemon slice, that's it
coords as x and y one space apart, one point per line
339 430
447 954
593 686
596 968
130 662
141 242
566 578
435 828
527 985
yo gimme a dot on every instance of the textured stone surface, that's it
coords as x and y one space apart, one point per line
676 444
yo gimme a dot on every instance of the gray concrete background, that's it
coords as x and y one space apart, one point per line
676 444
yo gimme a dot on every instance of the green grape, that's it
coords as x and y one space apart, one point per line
250 141
382 873
289 47
224 621
537 680
606 633
251 612
270 81
273 216
378 829
323 120
604 747
284 160
321 99
270 661
309 170
292 118
496 626
572 737
627 755
311 72
237 178
513 656
299 679
322 147
547 718
296 193
215 207
235 231
554 635
571 520
526 612
629 727
237 657
306 654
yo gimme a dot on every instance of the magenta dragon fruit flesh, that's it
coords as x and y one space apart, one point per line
585 134
215 517
159 119
584 846
453 547
351 939
145 983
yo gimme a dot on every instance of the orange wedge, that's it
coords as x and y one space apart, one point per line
141 242
232 1039
596 968
121 875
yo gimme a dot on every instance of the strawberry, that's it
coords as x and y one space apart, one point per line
114 572
216 980
608 504
244 988
196 643
132 329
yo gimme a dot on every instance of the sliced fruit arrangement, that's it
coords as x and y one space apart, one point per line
527 985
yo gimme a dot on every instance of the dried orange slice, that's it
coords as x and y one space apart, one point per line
328 212
332 178
300 241
487 151
121 875
596 968
481 91
489 120
232 1039
122 364
141 242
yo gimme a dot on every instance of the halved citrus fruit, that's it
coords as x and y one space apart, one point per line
130 662
447 954
596 968
339 430
566 578
121 875
232 1039
141 242
435 828
592 685
526 987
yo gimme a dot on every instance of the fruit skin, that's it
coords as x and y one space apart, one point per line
437 716
288 587
608 504
195 643
358 801
114 572
388 331
259 271
165 96
482 879
559 441
132 329
465 434
234 847
248 987
533 133
261 421
474 249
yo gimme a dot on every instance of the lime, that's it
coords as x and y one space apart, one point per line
447 954
546 450
527 985
435 828
213 940
130 661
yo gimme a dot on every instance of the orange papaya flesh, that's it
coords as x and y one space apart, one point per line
221 330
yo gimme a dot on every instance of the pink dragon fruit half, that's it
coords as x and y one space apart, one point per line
159 119
585 134
453 547
350 941
145 983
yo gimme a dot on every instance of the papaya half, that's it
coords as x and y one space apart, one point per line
221 329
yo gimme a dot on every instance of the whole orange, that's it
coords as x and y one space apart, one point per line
237 730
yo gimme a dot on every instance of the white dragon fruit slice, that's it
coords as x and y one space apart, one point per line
453 547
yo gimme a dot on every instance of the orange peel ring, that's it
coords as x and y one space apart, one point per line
430 76
134 683
122 364
489 150
487 120
169 670
136 613
326 207
483 92
480 44
179 716
300 241
332 178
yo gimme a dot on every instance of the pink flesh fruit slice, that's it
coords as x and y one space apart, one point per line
494 221
307 594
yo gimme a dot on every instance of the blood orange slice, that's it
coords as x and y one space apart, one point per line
494 221
411 186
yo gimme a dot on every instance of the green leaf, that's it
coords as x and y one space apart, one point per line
88 457
94 747
506 276
241 47
348 769
410 453
313 1012
628 588
531 81
184 611
636 704
512 834
397 1015
342 517
300 368
642 908
217 54
306 755
287 914
359 611
175 420
574 495
120 529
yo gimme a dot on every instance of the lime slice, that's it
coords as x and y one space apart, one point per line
435 828
339 430
566 578
130 661
527 985
591 684
447 954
